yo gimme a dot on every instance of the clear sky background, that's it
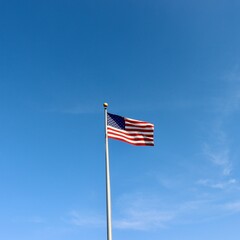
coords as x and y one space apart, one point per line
173 63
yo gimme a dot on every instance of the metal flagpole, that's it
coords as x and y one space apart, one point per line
108 190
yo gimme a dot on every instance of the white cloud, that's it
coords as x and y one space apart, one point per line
231 102
138 219
31 220
90 220
148 212
217 147
227 184
233 207
141 212
219 156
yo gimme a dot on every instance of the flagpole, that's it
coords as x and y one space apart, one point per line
108 189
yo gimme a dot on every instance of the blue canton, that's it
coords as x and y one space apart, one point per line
115 121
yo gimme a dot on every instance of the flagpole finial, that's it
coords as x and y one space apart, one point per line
105 105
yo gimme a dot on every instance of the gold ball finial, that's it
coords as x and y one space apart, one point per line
105 105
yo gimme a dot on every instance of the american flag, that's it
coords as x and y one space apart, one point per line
129 130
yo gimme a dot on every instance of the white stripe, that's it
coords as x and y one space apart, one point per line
131 127
140 124
137 121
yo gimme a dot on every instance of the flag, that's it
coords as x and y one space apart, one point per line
129 130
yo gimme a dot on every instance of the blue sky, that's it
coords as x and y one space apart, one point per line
173 63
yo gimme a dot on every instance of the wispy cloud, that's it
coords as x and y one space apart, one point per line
141 212
86 220
221 183
134 212
148 213
231 101
233 206
227 184
226 100
29 219
217 148
138 219
218 154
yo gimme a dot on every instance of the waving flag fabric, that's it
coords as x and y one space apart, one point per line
129 130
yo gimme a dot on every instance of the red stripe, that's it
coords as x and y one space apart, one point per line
135 144
138 129
134 138
139 123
